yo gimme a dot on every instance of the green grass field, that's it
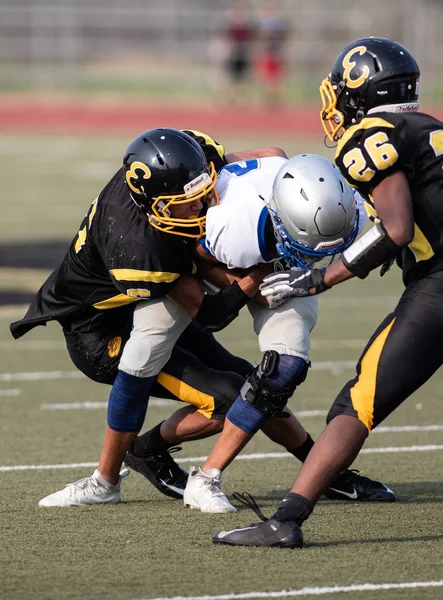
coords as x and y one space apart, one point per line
149 546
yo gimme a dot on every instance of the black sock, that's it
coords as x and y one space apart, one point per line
302 451
150 442
293 507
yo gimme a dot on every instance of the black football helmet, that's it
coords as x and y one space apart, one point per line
371 74
166 167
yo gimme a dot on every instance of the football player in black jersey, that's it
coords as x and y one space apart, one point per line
125 293
393 155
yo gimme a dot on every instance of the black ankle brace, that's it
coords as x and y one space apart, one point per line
151 441
302 451
293 507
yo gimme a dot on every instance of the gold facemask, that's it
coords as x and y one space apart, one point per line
332 119
192 227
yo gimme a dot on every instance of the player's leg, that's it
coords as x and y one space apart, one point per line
267 387
404 352
401 356
209 394
288 433
155 329
285 332
210 352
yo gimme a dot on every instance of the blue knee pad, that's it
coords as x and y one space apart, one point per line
245 416
128 402
267 390
290 371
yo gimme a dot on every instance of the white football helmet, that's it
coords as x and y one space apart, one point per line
313 211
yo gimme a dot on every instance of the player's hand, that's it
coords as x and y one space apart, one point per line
278 287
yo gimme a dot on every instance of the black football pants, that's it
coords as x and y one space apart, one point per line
403 353
200 371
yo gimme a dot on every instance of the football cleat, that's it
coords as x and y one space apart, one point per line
161 470
87 491
350 485
203 492
271 534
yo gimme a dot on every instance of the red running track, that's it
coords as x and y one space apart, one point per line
89 117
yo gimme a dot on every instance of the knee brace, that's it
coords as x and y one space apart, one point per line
128 402
271 384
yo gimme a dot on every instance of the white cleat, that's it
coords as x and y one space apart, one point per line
87 491
203 492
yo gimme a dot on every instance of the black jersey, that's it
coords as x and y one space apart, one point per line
383 143
115 259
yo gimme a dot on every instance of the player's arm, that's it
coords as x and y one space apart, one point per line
215 272
215 152
255 153
214 312
393 203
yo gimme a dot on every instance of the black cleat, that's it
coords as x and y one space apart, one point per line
161 470
350 485
271 534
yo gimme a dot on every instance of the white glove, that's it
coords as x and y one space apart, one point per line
278 287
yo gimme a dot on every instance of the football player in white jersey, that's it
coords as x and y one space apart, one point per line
296 211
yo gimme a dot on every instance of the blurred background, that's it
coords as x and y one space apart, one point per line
184 50
79 79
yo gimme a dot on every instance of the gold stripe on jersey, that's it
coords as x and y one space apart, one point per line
363 392
366 123
208 140
114 302
93 211
371 212
148 276
81 238
204 403
420 246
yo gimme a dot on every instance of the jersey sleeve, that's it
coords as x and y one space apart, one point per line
150 270
372 150
214 151
232 227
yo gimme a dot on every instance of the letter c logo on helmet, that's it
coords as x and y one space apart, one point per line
136 175
349 64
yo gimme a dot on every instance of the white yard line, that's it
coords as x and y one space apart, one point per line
199 459
93 405
330 365
88 405
152 402
9 393
41 376
24 345
312 591
27 345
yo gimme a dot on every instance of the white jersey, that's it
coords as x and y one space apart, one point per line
235 229
235 235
